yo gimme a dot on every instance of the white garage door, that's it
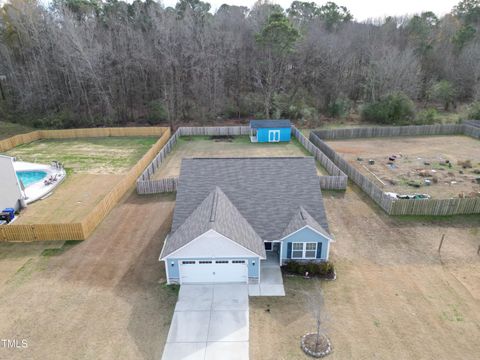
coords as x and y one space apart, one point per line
213 271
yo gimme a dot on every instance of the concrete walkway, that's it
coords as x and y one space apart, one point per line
271 281
210 322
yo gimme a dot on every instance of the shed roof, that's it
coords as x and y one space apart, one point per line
267 192
257 124
215 212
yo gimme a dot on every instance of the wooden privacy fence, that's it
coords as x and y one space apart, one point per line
337 180
157 186
41 232
21 139
215 131
17 140
474 123
436 207
439 207
472 131
82 230
391 131
145 185
100 211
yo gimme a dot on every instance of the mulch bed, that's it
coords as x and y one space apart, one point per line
310 347
330 276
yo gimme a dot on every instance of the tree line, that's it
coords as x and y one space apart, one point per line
95 63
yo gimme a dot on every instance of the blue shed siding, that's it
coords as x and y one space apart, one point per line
174 272
306 235
262 134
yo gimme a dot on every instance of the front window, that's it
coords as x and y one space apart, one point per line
310 250
304 250
297 250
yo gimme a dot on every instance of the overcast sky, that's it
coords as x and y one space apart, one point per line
361 9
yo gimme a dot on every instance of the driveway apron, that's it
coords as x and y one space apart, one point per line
210 322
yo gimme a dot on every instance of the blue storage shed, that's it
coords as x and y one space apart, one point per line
270 130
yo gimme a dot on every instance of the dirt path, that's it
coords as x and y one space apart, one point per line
100 299
394 298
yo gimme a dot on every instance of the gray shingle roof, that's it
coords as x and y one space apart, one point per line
266 191
302 218
215 212
257 124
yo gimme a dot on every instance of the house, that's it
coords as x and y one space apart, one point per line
10 189
270 130
231 214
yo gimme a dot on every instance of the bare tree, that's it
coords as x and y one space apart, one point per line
315 305
107 62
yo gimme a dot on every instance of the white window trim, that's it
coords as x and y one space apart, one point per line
304 250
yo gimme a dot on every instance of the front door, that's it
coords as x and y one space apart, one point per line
273 135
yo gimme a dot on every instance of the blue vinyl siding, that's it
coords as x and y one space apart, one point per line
262 134
174 273
306 235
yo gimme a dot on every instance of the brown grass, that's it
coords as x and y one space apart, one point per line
103 298
394 298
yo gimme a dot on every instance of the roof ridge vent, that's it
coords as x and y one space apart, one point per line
213 212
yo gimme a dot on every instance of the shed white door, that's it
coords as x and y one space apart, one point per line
274 135
213 271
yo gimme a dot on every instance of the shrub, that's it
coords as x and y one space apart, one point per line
156 112
393 109
298 108
321 269
292 267
325 268
339 108
311 268
60 120
444 92
426 117
474 111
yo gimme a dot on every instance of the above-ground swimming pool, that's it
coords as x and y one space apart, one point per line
38 180
30 177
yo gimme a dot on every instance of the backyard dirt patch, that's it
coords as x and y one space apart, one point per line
94 166
394 297
239 146
103 298
438 159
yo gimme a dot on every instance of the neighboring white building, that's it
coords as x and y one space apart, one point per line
10 190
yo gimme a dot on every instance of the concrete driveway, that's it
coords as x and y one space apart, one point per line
210 322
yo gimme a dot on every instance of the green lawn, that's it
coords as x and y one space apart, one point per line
108 155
